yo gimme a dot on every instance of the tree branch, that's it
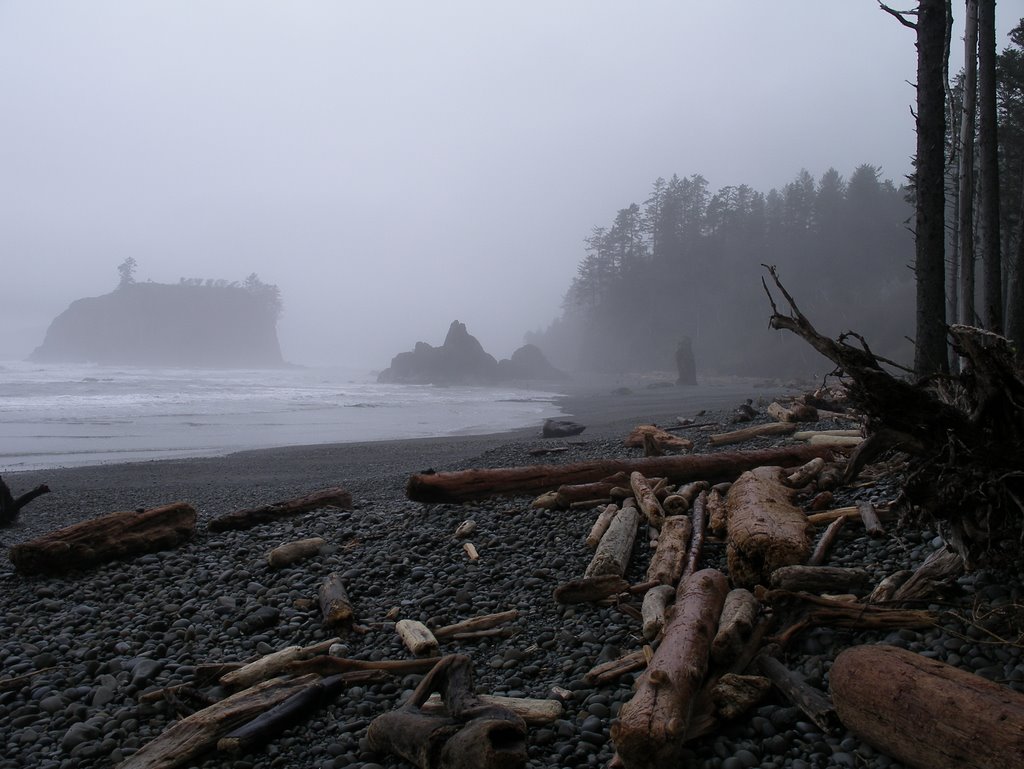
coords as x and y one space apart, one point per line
900 16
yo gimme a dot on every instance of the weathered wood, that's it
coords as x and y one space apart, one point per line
18 682
465 529
938 571
814 703
597 531
646 499
699 519
10 506
198 733
652 726
652 611
417 637
806 435
613 670
827 516
669 557
616 547
887 587
754 431
269 724
836 441
466 734
567 494
473 624
335 605
885 695
590 589
106 538
821 579
739 615
293 552
662 439
464 485
470 550
805 473
718 513
733 694
327 665
868 516
534 712
766 530
246 519
826 542
272 664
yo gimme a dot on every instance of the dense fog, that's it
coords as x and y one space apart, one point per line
393 167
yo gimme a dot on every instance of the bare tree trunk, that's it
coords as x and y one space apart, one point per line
965 203
1015 301
929 229
988 177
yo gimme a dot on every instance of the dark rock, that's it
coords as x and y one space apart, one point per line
685 365
529 364
460 360
561 428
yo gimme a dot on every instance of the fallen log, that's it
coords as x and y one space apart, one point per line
417 637
653 609
797 412
836 441
821 579
566 494
852 511
590 589
669 557
868 516
198 733
886 696
464 485
718 514
766 530
661 439
739 615
814 703
651 727
733 694
754 431
335 605
646 499
10 506
246 519
106 538
613 670
805 473
616 546
271 665
293 552
597 531
466 734
474 624
534 712
826 542
806 435
699 519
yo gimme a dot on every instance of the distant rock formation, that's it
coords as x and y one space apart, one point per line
157 324
462 360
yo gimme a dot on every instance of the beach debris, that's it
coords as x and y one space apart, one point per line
766 530
590 589
654 608
335 605
475 625
10 506
884 694
533 711
470 550
273 664
615 549
813 702
937 573
660 439
822 579
795 412
601 525
754 431
739 616
826 541
646 499
651 728
465 733
744 412
699 521
561 428
293 552
105 538
417 637
669 558
465 485
335 496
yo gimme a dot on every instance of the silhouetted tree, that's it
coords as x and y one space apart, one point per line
127 272
988 170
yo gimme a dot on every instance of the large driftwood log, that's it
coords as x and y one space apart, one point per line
198 733
699 519
463 485
534 712
646 499
822 579
652 726
616 546
109 537
466 734
766 530
669 558
567 494
10 505
925 713
246 519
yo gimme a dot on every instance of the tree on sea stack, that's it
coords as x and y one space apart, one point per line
127 272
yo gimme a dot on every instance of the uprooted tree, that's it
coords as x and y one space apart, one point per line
963 433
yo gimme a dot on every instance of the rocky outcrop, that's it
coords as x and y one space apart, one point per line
156 324
462 360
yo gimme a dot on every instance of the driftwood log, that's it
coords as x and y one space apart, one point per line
925 713
106 538
654 609
417 637
597 531
335 605
814 703
766 530
464 485
246 519
739 615
11 505
652 726
590 589
272 664
669 559
616 546
754 431
476 624
465 734
661 439
295 551
822 579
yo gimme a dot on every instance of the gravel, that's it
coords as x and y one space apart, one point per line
101 639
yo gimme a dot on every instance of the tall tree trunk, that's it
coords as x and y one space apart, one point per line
1015 300
965 215
988 167
930 259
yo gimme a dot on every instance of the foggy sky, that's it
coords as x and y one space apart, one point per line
393 166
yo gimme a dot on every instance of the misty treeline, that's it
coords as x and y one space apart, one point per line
687 263
267 295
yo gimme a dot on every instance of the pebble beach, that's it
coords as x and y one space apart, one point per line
98 641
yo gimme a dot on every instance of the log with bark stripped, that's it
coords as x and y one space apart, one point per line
616 546
662 439
335 605
463 485
669 558
246 519
293 552
473 624
272 664
597 531
754 431
417 637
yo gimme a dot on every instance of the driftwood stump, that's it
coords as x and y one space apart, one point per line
10 505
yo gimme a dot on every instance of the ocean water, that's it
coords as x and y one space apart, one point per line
72 415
